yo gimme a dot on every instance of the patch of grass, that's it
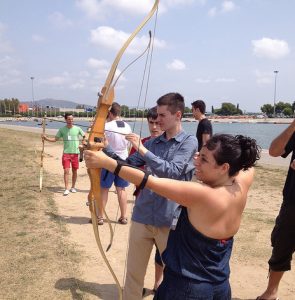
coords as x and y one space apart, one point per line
253 239
35 254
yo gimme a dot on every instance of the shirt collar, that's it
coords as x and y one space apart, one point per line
178 137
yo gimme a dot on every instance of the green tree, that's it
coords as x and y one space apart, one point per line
124 111
287 111
187 110
267 109
227 109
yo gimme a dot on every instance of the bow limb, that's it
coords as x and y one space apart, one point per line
96 136
42 154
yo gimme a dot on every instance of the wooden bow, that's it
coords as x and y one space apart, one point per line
42 154
95 141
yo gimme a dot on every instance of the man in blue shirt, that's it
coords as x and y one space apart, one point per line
169 155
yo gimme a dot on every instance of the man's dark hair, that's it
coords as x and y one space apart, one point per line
152 113
116 109
174 101
68 114
200 104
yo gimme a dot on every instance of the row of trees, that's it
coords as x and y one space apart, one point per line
11 107
281 109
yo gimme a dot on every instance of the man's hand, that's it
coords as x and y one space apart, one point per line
43 137
293 164
135 140
95 159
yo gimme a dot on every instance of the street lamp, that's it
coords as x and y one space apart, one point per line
32 78
275 93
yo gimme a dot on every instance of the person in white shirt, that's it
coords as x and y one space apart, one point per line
115 131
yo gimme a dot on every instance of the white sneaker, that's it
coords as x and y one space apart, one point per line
73 190
66 192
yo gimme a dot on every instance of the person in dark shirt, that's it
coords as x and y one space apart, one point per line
201 233
283 234
204 130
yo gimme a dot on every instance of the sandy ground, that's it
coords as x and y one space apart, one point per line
248 279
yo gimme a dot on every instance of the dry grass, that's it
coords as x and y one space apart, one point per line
37 261
264 200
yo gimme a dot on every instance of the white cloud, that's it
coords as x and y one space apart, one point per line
226 7
128 6
58 80
225 80
111 38
79 85
97 64
202 80
59 20
38 38
184 2
90 7
270 48
176 65
98 9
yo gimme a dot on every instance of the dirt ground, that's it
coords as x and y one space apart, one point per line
249 261
251 252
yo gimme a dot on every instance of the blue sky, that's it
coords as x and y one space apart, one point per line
218 51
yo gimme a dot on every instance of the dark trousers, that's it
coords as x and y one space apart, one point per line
175 287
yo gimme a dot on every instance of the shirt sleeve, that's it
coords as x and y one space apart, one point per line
81 132
180 164
207 127
59 134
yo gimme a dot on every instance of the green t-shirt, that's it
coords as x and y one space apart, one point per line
70 137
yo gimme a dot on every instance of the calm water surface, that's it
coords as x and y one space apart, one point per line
262 132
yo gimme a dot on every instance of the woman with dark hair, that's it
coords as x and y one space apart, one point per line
201 237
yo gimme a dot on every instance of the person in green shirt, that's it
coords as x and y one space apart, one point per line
70 135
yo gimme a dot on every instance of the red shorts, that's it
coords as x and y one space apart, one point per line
70 159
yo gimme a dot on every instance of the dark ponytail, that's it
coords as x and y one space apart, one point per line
250 151
240 152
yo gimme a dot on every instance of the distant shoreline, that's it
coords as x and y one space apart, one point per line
265 159
229 119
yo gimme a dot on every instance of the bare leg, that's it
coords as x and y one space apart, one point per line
122 198
74 177
273 285
104 198
158 275
66 178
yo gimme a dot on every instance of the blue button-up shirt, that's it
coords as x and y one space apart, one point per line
171 158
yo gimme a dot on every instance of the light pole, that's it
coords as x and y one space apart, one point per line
32 78
275 93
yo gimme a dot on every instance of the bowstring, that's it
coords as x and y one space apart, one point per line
148 66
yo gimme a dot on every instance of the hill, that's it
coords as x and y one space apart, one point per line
55 103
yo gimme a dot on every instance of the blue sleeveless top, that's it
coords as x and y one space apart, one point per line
192 255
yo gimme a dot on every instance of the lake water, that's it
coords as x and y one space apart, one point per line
263 133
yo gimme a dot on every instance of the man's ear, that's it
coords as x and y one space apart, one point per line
178 114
